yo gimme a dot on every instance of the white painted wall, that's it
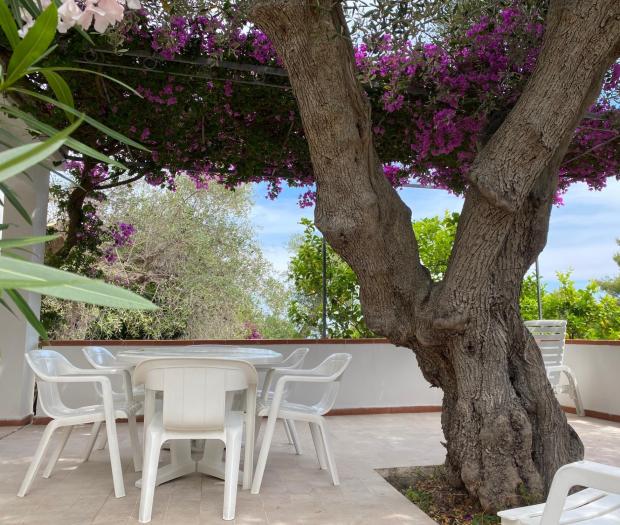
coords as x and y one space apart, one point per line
16 336
597 369
382 375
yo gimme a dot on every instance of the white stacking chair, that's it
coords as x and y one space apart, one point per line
195 407
52 369
329 373
101 358
599 504
550 335
294 361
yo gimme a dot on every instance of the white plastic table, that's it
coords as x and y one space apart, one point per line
259 357
181 462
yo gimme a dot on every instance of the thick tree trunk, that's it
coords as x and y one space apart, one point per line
505 431
75 218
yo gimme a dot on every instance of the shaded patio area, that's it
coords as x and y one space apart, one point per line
294 489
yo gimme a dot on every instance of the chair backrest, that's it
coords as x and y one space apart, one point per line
195 388
99 357
296 359
46 365
550 335
333 367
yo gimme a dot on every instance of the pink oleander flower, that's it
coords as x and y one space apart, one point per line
100 14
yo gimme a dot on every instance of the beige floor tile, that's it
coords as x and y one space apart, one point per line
294 490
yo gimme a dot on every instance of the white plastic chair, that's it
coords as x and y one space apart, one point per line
597 505
329 372
194 407
292 362
550 335
101 358
51 369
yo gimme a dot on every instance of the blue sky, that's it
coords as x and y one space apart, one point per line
581 235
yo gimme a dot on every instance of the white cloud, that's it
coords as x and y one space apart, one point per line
278 256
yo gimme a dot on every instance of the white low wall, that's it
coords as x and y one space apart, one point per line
383 376
596 368
380 375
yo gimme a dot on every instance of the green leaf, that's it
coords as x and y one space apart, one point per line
5 304
61 90
64 285
98 73
35 43
18 242
98 125
16 160
7 23
72 143
10 196
27 312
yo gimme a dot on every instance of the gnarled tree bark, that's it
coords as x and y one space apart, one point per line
504 428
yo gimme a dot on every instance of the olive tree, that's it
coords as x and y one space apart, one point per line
503 426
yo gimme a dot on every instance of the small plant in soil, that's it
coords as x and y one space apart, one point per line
428 488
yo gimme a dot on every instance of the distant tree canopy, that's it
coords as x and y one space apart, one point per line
612 284
193 252
344 313
590 313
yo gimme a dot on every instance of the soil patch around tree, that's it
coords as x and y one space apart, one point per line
428 488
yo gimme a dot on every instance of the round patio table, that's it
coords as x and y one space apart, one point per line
259 357
181 462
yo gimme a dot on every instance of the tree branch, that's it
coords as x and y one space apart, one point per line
581 41
357 210
119 183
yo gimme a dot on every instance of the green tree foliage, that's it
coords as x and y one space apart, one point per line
589 313
435 237
193 253
612 285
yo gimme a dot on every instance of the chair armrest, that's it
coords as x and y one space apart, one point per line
277 374
558 368
79 378
581 473
95 375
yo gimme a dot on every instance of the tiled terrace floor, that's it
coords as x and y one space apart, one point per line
294 490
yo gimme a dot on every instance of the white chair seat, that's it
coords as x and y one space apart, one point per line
295 410
234 425
328 373
51 369
597 505
195 392
121 410
550 336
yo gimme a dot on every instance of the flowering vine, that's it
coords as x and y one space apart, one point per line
211 113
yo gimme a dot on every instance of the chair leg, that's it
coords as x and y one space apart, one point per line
331 462
318 445
115 457
257 425
37 459
262 457
288 432
135 443
290 424
91 441
574 393
231 475
152 446
60 446
102 442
